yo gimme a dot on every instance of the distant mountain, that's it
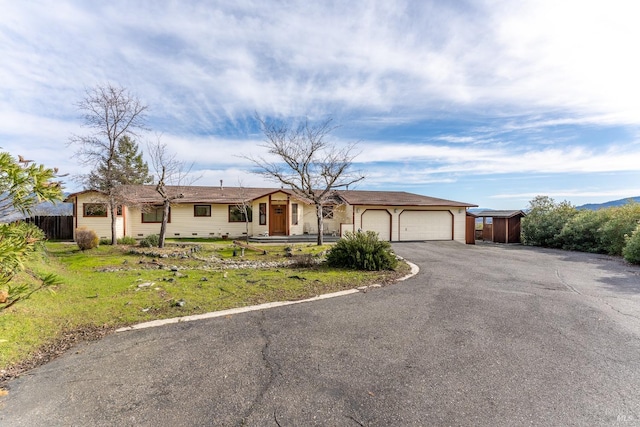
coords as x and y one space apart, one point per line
476 210
43 209
58 209
596 206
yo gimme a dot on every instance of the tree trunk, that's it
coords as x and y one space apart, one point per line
163 226
114 214
320 224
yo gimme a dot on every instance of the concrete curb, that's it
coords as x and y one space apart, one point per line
154 323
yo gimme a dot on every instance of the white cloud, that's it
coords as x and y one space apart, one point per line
510 68
442 159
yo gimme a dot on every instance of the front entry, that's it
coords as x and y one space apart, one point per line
278 220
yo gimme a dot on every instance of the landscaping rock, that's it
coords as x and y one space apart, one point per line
146 284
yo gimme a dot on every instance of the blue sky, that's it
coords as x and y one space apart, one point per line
488 102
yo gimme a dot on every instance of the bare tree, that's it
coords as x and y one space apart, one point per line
306 162
173 177
112 113
244 205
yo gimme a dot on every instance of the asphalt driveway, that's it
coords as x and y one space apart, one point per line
483 335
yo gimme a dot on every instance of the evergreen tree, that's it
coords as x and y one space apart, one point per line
112 113
127 167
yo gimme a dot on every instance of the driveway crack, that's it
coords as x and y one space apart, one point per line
566 284
621 312
272 368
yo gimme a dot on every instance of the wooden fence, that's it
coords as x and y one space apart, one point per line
55 227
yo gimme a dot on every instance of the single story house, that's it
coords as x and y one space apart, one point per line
200 211
504 226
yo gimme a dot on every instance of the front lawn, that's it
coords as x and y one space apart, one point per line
110 287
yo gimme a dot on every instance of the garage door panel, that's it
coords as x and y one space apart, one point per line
426 225
378 221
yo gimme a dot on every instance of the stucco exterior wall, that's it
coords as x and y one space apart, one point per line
184 224
101 225
341 215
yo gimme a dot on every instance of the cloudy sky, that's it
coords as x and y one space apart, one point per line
489 102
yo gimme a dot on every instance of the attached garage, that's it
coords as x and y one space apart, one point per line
378 220
426 225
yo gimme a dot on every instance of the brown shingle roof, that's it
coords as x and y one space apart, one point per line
199 194
395 198
233 195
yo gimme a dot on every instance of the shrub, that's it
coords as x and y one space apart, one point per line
583 232
86 239
104 241
127 240
631 251
152 240
621 223
362 251
544 222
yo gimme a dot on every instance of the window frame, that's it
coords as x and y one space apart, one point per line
262 212
86 206
240 214
157 209
328 211
294 213
195 211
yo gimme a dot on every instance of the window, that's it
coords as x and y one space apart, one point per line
202 210
236 214
154 214
94 209
263 214
294 213
327 212
119 210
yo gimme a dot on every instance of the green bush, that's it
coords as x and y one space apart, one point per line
583 232
152 240
622 221
104 241
631 251
544 223
362 251
86 239
127 240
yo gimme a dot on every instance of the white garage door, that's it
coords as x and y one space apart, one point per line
426 225
378 221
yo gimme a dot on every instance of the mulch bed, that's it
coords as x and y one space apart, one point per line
53 349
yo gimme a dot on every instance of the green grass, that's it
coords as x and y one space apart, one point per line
101 288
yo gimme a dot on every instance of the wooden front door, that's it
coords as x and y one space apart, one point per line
278 220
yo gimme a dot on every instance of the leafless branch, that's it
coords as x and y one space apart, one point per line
305 161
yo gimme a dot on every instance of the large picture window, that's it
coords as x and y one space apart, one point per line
154 214
94 209
202 210
236 214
